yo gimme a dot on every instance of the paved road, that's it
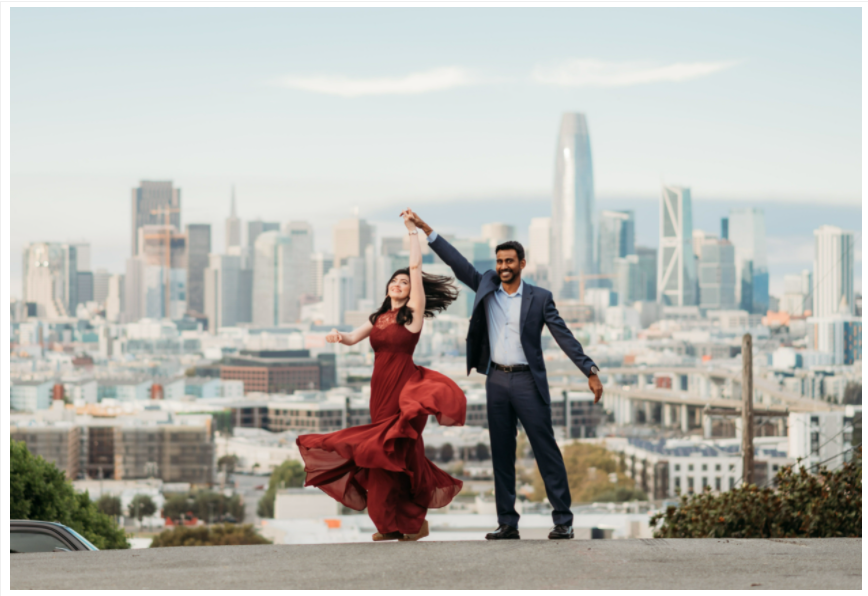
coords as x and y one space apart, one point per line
828 564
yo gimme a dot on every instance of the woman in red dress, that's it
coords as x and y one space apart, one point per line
382 465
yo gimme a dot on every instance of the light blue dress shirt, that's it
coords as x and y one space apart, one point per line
503 313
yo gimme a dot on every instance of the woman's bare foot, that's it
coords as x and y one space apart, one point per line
423 531
390 536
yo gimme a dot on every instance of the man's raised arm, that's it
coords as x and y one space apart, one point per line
463 269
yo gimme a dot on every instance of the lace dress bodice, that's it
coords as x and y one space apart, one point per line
388 336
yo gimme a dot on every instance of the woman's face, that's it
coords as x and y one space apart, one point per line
399 287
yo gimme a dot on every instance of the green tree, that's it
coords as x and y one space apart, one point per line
804 505
110 505
141 507
482 452
203 504
289 474
218 535
853 394
39 491
228 461
589 468
447 452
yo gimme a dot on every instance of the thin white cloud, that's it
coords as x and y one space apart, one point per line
588 72
437 79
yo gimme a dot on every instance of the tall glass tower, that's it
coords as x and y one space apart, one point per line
572 207
676 270
747 231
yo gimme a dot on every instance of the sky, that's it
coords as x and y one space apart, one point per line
313 112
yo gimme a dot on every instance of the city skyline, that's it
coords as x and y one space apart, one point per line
284 170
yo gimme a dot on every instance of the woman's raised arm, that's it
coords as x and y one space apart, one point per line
416 302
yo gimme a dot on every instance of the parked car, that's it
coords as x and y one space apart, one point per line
29 536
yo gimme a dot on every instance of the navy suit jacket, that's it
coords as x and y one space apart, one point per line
537 309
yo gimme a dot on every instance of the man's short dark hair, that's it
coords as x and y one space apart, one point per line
511 245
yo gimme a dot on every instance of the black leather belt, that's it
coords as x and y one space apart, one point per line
512 368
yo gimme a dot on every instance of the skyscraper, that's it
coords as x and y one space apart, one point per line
834 261
338 295
321 264
572 207
152 196
114 301
100 285
497 233
747 232
233 225
301 233
256 227
717 275
50 277
616 239
163 277
539 250
277 284
676 272
198 249
351 237
628 280
647 272
221 291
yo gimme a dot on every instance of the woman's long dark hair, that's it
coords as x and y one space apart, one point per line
440 292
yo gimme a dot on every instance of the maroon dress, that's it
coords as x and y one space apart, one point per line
382 465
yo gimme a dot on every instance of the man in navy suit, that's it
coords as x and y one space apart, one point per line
504 343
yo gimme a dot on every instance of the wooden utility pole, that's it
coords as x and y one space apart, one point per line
747 409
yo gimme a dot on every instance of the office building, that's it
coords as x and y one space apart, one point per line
717 275
301 235
115 305
280 371
676 271
100 285
59 445
839 334
50 278
747 232
816 437
321 263
233 225
351 237
278 279
30 396
497 233
539 250
573 209
163 254
256 227
339 295
834 265
628 280
797 298
151 202
647 273
85 286
222 291
391 245
616 239
198 249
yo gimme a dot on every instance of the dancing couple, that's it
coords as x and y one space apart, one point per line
382 465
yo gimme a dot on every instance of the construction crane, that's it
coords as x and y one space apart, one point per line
167 235
585 276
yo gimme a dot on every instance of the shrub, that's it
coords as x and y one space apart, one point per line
39 491
823 505
222 535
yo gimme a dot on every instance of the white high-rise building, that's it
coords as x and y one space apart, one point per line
50 278
539 250
321 263
278 281
351 237
747 232
797 293
497 233
222 290
338 295
834 262
133 280
676 269
114 301
572 207
233 225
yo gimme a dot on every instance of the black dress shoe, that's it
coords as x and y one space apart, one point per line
561 532
503 532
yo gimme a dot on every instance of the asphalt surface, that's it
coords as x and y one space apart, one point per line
828 564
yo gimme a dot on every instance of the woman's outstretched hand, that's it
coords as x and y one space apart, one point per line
334 337
408 220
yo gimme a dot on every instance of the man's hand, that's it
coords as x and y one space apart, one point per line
596 386
419 223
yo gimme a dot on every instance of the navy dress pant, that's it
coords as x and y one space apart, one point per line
514 397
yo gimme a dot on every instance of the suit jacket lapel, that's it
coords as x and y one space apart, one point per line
526 299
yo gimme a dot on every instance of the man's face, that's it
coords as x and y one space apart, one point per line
508 266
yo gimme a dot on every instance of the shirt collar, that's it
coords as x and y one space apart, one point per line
518 293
